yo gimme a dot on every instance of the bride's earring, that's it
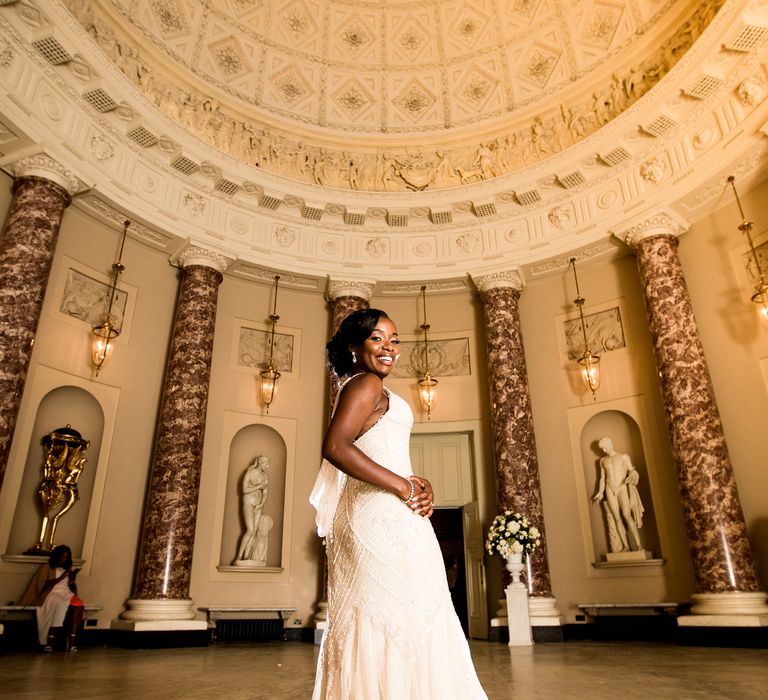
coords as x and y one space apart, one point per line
354 358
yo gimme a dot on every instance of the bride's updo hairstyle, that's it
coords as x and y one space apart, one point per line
355 329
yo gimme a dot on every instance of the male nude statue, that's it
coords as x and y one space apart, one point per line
622 504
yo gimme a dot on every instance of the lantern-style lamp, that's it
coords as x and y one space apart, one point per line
589 364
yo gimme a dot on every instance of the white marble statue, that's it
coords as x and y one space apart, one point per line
255 486
621 500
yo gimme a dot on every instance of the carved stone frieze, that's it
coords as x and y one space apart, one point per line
6 53
752 91
655 170
416 100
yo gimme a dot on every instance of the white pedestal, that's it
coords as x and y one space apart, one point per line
518 616
320 631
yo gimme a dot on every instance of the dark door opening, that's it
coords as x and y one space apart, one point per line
449 529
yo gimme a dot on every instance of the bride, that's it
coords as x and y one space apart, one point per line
392 631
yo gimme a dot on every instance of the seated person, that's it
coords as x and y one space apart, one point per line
54 591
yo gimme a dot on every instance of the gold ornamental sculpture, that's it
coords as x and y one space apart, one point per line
62 468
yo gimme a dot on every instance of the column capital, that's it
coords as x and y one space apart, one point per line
44 166
350 288
193 254
506 279
663 222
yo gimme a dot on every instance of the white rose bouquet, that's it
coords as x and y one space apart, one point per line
512 533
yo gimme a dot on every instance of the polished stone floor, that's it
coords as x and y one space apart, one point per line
594 670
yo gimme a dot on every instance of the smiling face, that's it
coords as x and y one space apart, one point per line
379 351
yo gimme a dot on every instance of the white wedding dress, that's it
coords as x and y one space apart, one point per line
392 631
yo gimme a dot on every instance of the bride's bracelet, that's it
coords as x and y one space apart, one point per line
410 495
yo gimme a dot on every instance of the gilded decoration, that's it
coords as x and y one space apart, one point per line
61 470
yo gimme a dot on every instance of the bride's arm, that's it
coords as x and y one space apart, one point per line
357 404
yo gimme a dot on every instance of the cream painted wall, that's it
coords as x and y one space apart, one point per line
298 413
134 375
734 347
558 400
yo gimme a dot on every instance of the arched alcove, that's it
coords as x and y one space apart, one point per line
248 443
625 434
64 405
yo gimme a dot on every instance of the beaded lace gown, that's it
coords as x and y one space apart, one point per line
392 631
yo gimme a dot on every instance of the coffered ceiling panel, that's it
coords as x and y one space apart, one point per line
426 66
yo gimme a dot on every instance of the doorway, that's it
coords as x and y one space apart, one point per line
446 459
449 530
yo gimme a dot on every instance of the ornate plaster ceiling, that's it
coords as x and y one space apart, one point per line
390 67
87 97
393 96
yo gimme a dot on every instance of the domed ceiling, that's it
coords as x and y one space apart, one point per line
387 140
393 95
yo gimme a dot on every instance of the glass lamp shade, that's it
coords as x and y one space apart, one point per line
427 392
268 377
103 335
760 297
589 366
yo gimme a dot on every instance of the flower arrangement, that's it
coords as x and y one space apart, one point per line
512 533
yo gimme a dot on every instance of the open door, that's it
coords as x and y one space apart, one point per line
473 556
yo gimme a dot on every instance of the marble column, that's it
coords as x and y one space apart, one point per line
514 443
41 192
344 297
161 589
725 573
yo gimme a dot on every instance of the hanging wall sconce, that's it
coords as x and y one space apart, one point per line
269 375
589 364
760 295
426 383
104 332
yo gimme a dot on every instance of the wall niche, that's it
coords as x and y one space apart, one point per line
626 436
62 406
247 445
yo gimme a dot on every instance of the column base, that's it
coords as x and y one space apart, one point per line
544 612
731 619
154 624
158 609
159 634
731 604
